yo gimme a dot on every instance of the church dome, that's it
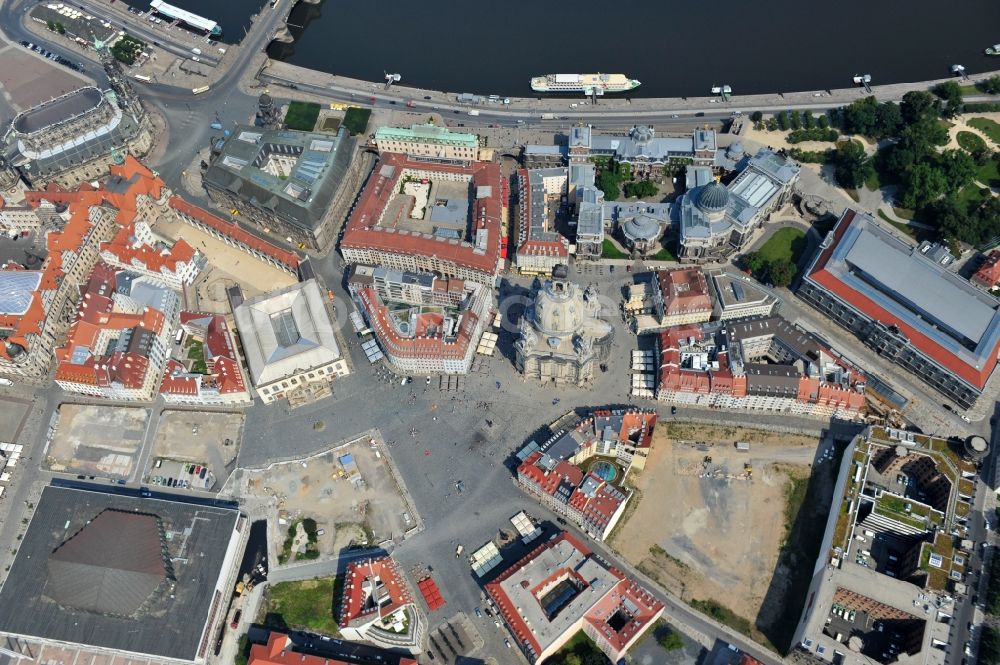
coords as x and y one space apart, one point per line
642 227
714 197
559 308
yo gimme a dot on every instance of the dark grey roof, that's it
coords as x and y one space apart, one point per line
299 198
111 566
169 624
58 110
714 197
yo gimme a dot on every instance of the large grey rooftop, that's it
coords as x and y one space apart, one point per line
931 298
299 197
286 332
58 110
171 622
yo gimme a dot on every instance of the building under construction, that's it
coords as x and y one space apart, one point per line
75 137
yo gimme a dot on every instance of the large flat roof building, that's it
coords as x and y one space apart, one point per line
906 306
561 588
895 555
137 575
288 340
282 178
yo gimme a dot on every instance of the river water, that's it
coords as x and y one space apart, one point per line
676 48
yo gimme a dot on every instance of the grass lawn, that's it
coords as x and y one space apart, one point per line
723 615
305 604
988 173
989 127
302 116
356 120
905 228
970 142
873 183
972 196
970 90
787 244
196 352
853 193
663 255
610 251
903 213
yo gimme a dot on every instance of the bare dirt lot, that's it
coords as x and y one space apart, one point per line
713 529
96 440
367 506
206 438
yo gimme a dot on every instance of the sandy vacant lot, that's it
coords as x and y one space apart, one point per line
96 440
346 508
712 530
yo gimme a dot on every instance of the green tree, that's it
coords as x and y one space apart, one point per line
757 116
990 86
922 184
60 28
808 121
50 25
667 638
888 120
851 165
795 120
952 219
781 272
951 93
608 182
958 168
823 121
753 262
640 189
571 659
859 117
782 120
918 105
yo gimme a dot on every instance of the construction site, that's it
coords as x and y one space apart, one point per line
349 493
707 524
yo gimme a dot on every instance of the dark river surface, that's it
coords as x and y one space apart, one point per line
675 48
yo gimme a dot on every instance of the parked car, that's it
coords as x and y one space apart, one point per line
236 619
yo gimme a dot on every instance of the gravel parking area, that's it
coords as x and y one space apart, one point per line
96 440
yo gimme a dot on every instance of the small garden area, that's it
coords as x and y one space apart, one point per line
304 605
609 250
776 261
356 120
127 49
196 353
312 548
580 650
989 127
971 142
302 116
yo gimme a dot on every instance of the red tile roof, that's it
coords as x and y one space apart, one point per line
363 231
625 596
278 651
420 346
988 274
357 606
684 290
128 251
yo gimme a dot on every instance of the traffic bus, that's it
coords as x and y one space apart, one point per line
144 79
198 91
